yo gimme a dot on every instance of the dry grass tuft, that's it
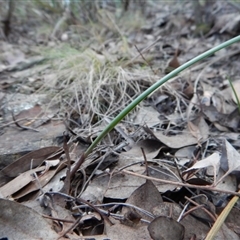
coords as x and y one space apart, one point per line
91 85
91 74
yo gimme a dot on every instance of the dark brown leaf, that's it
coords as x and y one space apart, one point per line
146 197
164 228
26 162
20 222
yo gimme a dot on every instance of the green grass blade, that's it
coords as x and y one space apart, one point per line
154 87
235 94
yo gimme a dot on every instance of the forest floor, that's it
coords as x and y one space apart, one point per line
167 170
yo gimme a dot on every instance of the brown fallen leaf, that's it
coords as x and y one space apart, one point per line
146 197
174 63
228 22
211 161
20 222
151 148
122 232
44 178
194 130
230 160
26 162
166 228
164 209
177 141
202 128
230 120
19 182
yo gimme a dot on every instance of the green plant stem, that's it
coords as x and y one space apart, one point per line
235 94
154 87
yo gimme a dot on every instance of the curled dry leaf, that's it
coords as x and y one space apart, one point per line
211 161
230 160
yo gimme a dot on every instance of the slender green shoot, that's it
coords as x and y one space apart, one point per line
235 94
154 87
